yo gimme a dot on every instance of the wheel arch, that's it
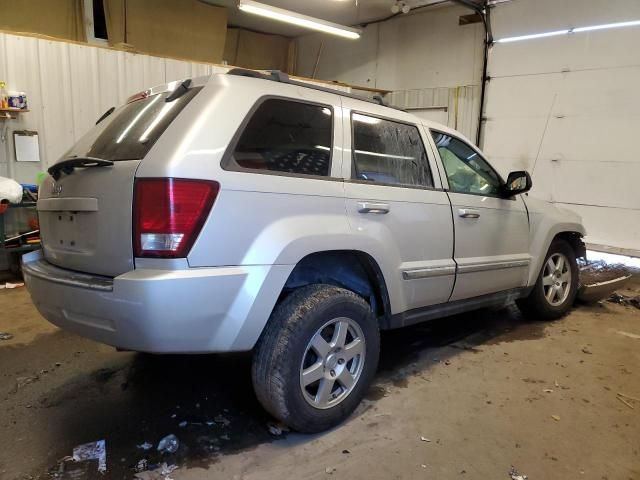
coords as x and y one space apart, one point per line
353 270
570 233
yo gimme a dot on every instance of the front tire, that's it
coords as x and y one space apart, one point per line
555 290
316 357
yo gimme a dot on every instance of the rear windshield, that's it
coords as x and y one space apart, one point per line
132 129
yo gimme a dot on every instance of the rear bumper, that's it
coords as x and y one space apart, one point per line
196 310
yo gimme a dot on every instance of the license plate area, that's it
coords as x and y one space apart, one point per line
69 231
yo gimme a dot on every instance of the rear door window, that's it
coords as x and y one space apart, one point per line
132 129
388 152
287 136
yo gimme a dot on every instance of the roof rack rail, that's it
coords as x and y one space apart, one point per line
278 76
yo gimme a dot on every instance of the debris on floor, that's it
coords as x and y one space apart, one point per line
625 399
161 472
424 439
625 300
330 470
277 429
556 417
222 419
635 336
514 475
169 444
5 336
92 451
145 446
10 285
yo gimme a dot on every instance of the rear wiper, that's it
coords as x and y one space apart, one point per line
67 166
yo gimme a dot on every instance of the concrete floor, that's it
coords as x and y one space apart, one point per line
487 390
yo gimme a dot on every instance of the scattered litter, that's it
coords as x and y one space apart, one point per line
223 420
548 390
277 429
159 472
635 399
423 466
174 415
210 423
330 470
513 473
141 466
556 417
5 336
424 439
182 424
145 446
92 451
10 285
619 332
346 452
625 300
167 469
587 351
169 444
625 402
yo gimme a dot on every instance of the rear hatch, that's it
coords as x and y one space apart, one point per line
85 206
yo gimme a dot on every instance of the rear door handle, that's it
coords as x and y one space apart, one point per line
468 213
370 207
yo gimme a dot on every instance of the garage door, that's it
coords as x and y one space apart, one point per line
567 109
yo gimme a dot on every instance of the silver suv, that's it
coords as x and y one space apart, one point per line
251 212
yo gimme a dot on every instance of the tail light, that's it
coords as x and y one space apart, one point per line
168 214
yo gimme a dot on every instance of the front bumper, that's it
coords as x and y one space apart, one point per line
194 310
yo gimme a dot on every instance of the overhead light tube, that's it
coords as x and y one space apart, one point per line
632 23
298 19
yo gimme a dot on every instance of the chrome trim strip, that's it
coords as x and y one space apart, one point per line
428 272
45 271
68 204
484 267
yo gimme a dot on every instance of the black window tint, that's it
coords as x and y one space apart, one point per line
466 171
389 152
131 130
287 136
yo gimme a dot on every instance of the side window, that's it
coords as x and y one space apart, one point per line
467 171
388 152
287 136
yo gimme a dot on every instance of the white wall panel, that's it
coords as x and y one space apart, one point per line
567 109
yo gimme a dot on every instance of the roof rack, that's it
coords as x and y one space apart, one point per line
278 76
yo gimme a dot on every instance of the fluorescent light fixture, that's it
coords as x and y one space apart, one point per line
605 26
298 19
532 36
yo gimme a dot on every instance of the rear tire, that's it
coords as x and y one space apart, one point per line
555 290
316 357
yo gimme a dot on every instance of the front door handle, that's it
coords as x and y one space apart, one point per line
370 207
468 213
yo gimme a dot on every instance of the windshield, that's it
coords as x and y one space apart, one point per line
132 129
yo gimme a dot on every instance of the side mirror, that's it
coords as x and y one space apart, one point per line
517 183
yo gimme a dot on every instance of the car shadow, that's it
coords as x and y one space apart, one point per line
207 401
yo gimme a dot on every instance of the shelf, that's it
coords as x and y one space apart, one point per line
11 113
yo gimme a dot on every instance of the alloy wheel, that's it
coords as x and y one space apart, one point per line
332 363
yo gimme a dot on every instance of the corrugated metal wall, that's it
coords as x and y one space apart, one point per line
462 104
69 86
